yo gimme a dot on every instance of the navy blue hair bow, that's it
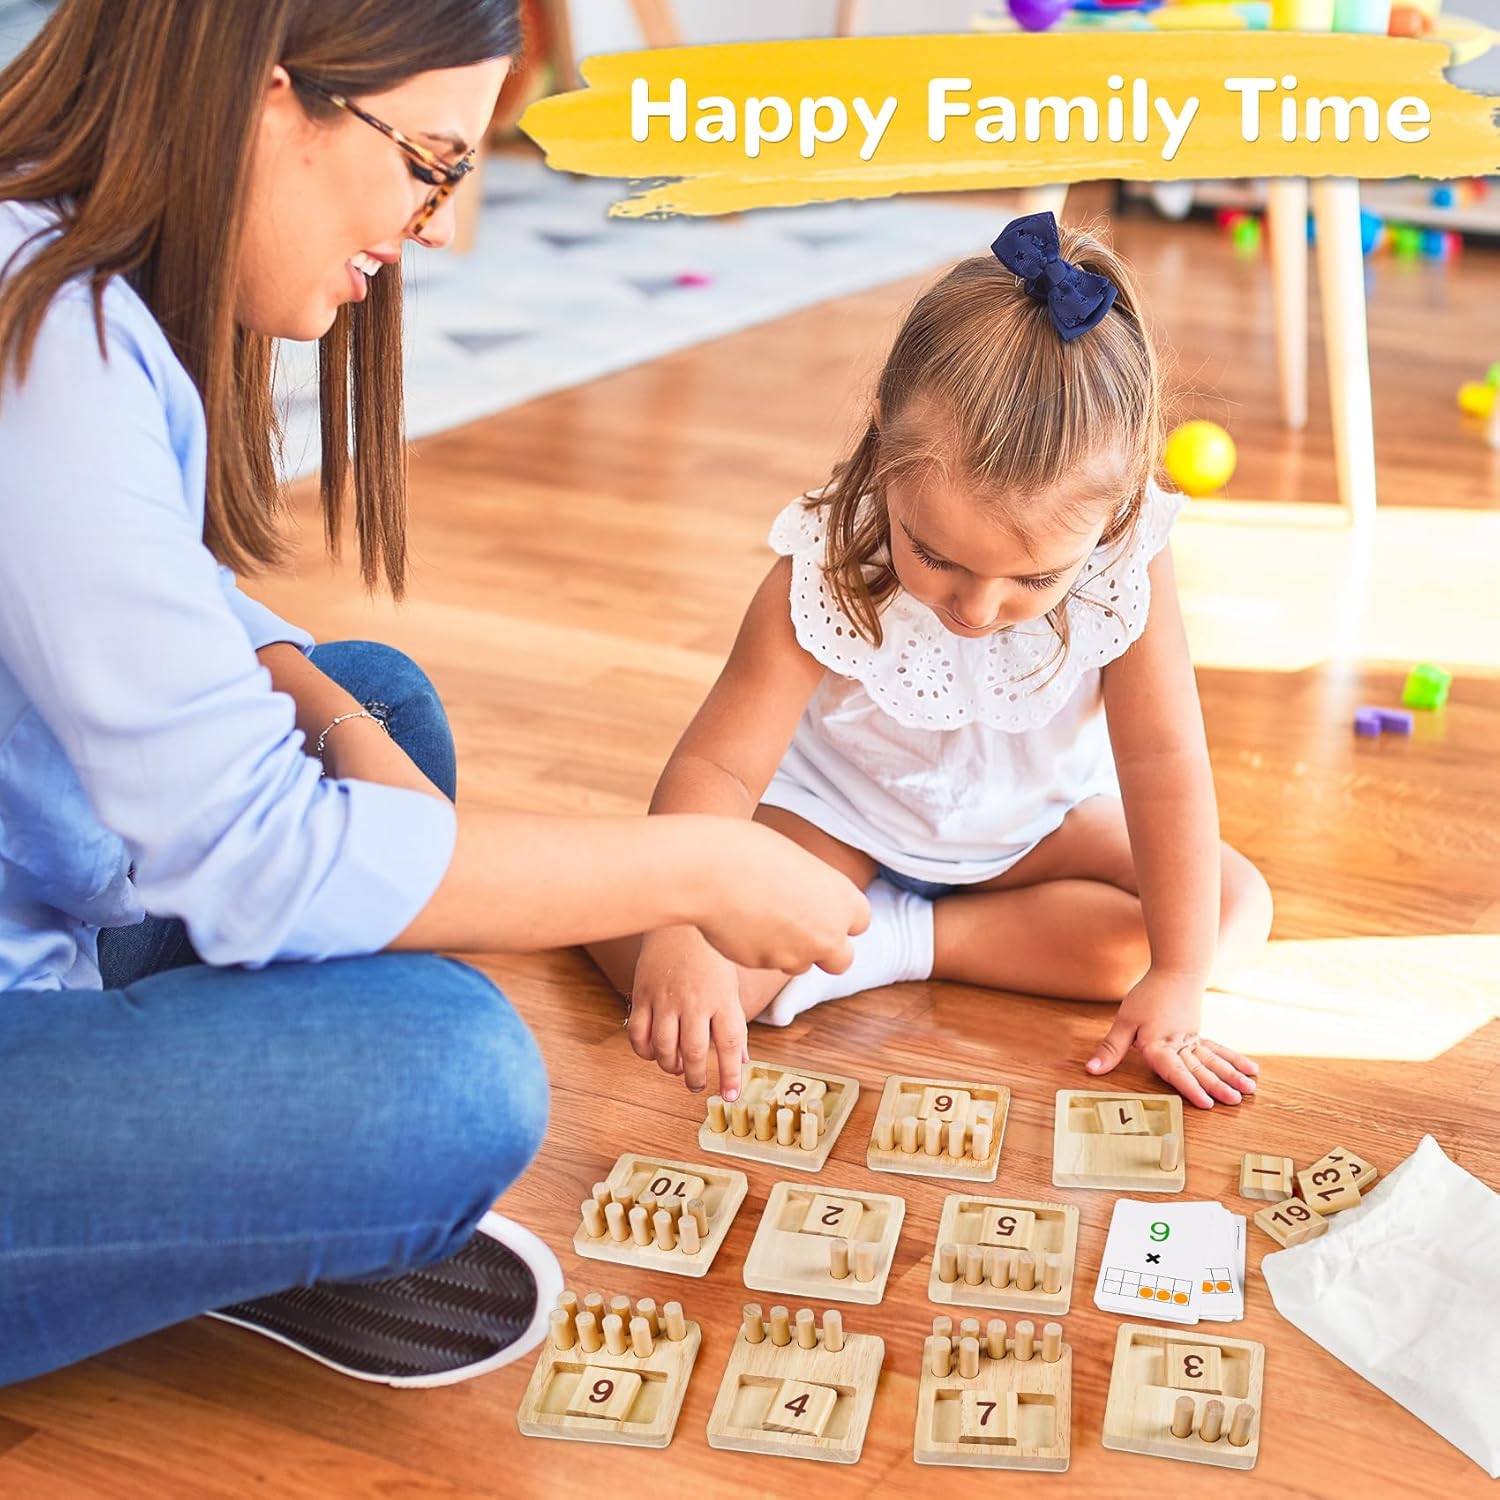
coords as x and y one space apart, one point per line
1077 300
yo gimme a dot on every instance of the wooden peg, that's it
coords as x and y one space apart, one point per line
640 1338
980 1140
808 1137
968 1358
784 1122
958 1131
909 1127
689 1241
588 1333
943 1325
948 1263
666 1232
673 1321
1002 1268
932 1135
1026 1271
594 1303
781 1327
994 1338
751 1324
864 1261
564 1335
593 1218
838 1259
567 1299
626 1199
1182 1417
614 1335
765 1125
969 1328
1212 1426
699 1211
616 1222
601 1194
1025 1341
1171 1152
973 1265
1052 1273
1051 1343
646 1308
621 1308
718 1114
649 1203
833 1330
939 1355
1239 1428
807 1329
885 1135
739 1118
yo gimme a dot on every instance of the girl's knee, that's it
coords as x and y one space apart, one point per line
1123 951
1246 904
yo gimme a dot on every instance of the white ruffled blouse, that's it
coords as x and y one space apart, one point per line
944 757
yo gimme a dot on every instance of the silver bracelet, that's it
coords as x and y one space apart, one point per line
357 713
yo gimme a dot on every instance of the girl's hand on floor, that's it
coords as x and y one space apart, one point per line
769 904
684 1006
1159 1017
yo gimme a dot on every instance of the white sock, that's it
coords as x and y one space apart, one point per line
897 945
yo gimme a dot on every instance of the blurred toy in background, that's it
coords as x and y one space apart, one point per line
1476 398
1037 15
1200 458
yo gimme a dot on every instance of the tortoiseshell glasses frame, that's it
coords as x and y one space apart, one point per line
425 165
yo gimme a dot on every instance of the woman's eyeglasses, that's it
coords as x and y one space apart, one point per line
426 166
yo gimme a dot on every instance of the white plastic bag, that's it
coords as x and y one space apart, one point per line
1403 1290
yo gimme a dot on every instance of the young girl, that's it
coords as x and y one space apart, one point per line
979 705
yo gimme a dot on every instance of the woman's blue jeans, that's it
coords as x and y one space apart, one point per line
190 1137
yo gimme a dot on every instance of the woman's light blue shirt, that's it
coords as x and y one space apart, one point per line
137 727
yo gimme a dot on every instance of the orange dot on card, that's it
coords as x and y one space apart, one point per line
1224 1286
1164 1295
1208 1286
1181 1297
1146 1292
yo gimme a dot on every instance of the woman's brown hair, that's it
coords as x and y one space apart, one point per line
979 387
136 122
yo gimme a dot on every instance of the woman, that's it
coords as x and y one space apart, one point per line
233 1073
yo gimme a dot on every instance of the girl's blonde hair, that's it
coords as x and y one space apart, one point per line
980 389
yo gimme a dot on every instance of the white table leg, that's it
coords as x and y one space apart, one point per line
1287 213
1341 279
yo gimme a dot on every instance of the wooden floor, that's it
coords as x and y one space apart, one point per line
582 563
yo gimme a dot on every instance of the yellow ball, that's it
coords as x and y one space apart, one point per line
1477 398
1200 457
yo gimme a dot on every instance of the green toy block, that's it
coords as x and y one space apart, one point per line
1426 686
1492 375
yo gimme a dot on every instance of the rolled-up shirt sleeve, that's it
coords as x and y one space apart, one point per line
263 626
138 652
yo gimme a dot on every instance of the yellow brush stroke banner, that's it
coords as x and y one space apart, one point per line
708 130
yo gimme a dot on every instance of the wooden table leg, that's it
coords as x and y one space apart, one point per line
1341 279
1287 214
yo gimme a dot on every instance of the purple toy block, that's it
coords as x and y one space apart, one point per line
1394 720
1366 722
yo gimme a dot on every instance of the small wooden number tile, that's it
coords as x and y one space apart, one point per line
798 1089
943 1104
1291 1222
985 1417
801 1408
1009 1228
1268 1177
1329 1189
605 1394
675 1185
1357 1167
1123 1117
1195 1367
833 1216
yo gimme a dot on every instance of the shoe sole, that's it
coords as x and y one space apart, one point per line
386 1320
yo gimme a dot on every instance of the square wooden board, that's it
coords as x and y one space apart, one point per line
904 1095
1084 1155
1138 1412
754 1375
723 1192
1054 1232
761 1080
786 1258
